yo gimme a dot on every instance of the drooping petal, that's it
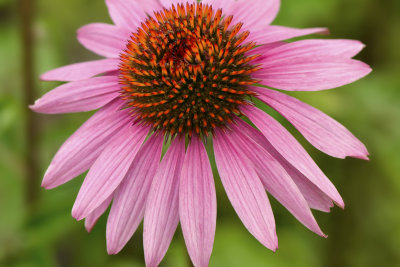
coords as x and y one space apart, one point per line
93 217
197 204
130 14
273 34
78 96
315 198
82 148
275 178
245 191
81 71
108 170
254 14
128 206
162 207
311 73
104 39
292 151
319 129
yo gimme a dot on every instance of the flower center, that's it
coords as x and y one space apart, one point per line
186 71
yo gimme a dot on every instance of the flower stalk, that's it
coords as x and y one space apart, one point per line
26 14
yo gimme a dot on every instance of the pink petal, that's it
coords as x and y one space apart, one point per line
103 39
273 34
214 3
130 14
310 48
162 208
311 73
93 217
314 48
80 151
197 203
254 14
169 3
108 170
245 191
320 130
78 96
292 151
128 206
262 50
81 71
315 198
275 178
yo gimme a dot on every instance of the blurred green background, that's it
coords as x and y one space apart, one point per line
36 228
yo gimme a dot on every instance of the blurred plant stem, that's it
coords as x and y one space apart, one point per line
26 12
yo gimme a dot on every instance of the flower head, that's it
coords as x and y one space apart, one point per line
185 71
190 72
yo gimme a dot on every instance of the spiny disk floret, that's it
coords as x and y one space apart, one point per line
185 70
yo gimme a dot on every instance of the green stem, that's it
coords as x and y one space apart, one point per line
26 13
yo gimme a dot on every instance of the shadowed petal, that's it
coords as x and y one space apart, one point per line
78 96
92 218
128 206
162 207
81 71
197 204
108 170
292 151
319 129
104 39
315 198
245 191
275 178
80 151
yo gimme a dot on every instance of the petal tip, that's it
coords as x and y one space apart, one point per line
77 214
321 233
48 179
112 250
89 228
338 200
325 31
38 107
361 156
274 248
272 244
47 184
113 246
33 107
45 77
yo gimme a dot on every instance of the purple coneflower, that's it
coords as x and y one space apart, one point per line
187 73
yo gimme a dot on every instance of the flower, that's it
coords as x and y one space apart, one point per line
188 73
